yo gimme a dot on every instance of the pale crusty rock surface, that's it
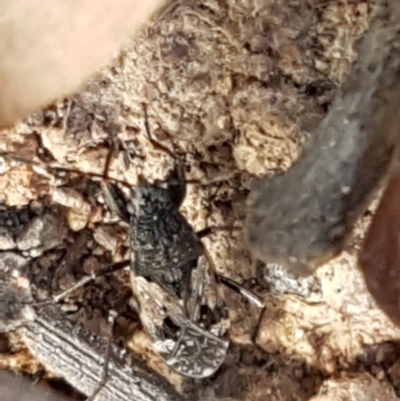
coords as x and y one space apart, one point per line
234 87
362 387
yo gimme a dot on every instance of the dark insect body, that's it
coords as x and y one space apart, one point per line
174 283
162 242
177 291
179 300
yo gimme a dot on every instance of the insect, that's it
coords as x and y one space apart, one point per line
173 280
177 292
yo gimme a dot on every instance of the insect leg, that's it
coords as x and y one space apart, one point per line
111 321
208 181
176 179
208 230
112 193
195 352
109 269
152 140
244 292
115 200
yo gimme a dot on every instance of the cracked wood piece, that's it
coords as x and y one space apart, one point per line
73 354
82 365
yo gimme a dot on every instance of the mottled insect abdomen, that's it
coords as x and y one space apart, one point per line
163 245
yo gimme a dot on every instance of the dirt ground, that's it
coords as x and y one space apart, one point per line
235 88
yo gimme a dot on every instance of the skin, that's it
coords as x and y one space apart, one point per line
48 48
379 258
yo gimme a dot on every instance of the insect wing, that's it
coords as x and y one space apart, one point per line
197 354
191 351
205 306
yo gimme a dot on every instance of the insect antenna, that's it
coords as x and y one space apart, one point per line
176 178
57 167
112 193
151 139
111 323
